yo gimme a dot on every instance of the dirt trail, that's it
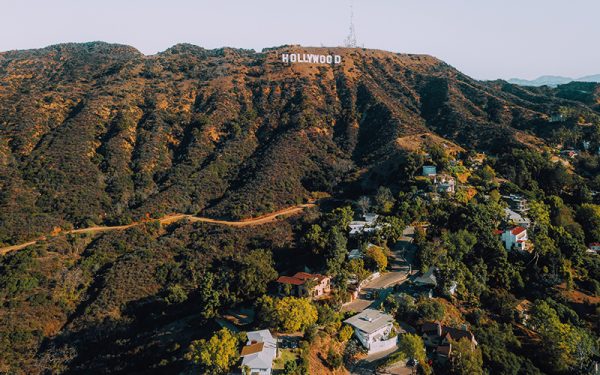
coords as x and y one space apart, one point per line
171 219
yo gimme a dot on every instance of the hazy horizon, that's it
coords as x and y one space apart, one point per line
490 40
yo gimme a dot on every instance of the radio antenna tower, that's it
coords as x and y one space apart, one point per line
350 41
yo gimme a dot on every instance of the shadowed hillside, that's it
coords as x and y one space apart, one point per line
99 133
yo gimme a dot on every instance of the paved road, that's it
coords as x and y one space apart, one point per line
400 268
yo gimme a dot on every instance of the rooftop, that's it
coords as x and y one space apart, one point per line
260 350
300 278
252 348
370 320
517 230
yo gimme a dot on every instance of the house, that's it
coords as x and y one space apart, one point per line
304 284
427 279
258 353
445 184
429 170
522 309
594 247
516 202
440 337
515 218
515 238
374 329
369 224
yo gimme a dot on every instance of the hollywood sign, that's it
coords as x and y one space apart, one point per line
310 58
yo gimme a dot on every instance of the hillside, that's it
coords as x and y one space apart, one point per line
554 81
97 135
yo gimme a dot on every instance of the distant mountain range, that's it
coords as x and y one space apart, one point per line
553 81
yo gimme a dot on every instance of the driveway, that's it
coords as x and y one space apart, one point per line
400 267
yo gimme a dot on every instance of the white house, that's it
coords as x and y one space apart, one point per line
594 247
445 184
369 224
515 238
373 329
516 218
259 353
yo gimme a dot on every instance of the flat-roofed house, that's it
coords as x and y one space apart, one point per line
373 329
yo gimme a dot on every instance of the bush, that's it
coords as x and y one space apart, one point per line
345 333
175 294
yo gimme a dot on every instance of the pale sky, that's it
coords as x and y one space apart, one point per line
485 39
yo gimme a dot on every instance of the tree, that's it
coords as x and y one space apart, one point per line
290 314
336 251
295 314
216 355
376 256
413 347
439 156
459 244
315 239
393 229
266 311
589 218
465 358
565 346
487 174
334 359
364 203
384 200
256 271
175 294
406 306
291 368
209 296
340 217
356 267
431 309
345 333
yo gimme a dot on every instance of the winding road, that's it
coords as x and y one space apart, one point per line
171 219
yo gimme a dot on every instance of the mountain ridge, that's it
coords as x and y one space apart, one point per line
553 81
97 133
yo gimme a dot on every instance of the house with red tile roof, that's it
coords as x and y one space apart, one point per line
304 284
259 352
515 238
